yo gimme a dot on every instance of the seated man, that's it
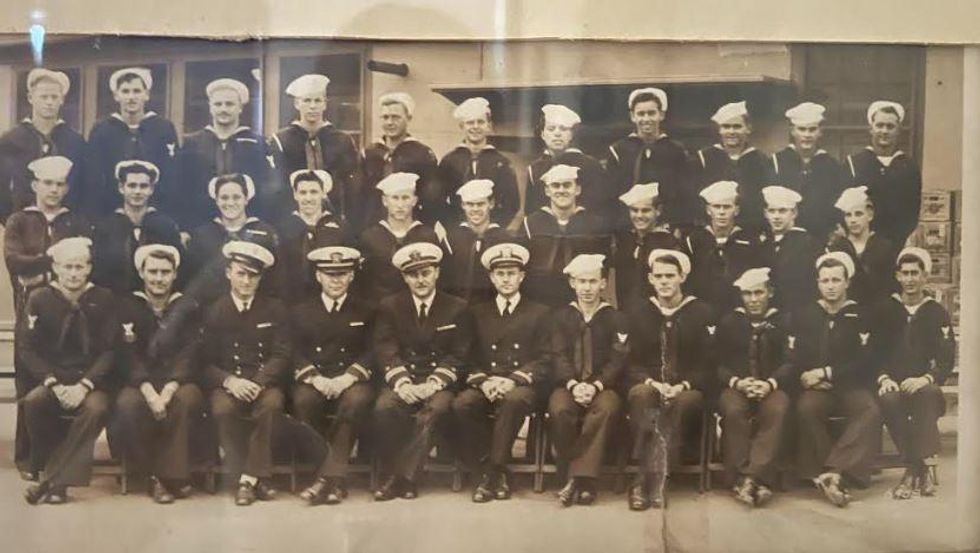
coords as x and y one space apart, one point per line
245 346
510 361
66 342
332 366
420 340
590 343
160 402
754 376
669 365
917 348
830 353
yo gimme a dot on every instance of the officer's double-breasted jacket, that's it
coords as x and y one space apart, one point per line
514 346
254 344
332 343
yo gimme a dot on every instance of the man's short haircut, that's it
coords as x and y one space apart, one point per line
646 97
830 263
137 169
909 258
160 254
236 178
670 260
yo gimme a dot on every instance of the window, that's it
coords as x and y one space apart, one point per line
343 93
197 76
71 110
158 94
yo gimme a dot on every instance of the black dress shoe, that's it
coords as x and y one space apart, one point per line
638 499
484 490
57 496
763 494
390 489
37 493
313 493
29 475
334 494
926 487
502 489
568 494
264 492
159 492
745 490
245 495
830 484
587 494
408 489
657 490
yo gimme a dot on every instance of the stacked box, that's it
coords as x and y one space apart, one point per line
948 295
934 236
957 205
955 270
942 270
937 205
957 237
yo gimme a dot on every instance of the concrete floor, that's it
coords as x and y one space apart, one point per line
99 519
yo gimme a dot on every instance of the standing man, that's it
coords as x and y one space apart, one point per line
42 134
66 343
466 242
400 152
511 360
830 351
476 158
917 348
312 142
130 133
733 158
788 250
591 346
135 224
649 155
161 401
893 179
245 348
421 340
558 135
223 147
806 168
873 254
668 372
646 233
754 376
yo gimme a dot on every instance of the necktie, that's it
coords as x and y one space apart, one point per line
507 308
423 313
754 351
245 306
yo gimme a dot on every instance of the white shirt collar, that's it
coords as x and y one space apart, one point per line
427 301
823 305
51 217
385 224
668 311
329 302
912 309
241 305
602 305
174 296
502 302
739 156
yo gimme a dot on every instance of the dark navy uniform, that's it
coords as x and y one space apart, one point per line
464 276
792 260
330 149
22 145
874 275
515 346
296 239
460 166
330 344
752 171
820 181
895 190
715 265
632 161
116 240
377 243
750 348
206 265
413 350
593 351
842 342
157 349
553 246
112 141
204 156
598 193
409 156
67 344
630 253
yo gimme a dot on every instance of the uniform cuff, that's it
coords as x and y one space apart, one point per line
87 383
772 382
444 374
883 378
828 373
304 373
439 383
521 377
394 375
359 372
732 382
50 381
931 379
687 385
571 384
650 382
599 385
476 379
400 382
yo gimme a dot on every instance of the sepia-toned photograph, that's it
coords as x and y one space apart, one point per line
367 295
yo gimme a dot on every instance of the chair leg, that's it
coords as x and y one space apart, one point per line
457 484
539 453
124 476
210 485
704 478
293 470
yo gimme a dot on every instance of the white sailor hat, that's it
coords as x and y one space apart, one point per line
560 173
879 105
40 73
50 167
560 115
337 259
472 108
323 177
780 196
228 84
807 113
142 252
403 98
721 192
852 198
141 72
310 84
682 259
752 278
505 254
475 190
730 111
254 257
585 264
70 248
416 256
842 257
660 95
240 178
150 168
397 182
922 255
640 193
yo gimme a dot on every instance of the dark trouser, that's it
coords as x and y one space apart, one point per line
659 428
911 420
405 432
352 410
245 430
853 453
64 448
745 454
24 382
582 450
160 448
484 440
